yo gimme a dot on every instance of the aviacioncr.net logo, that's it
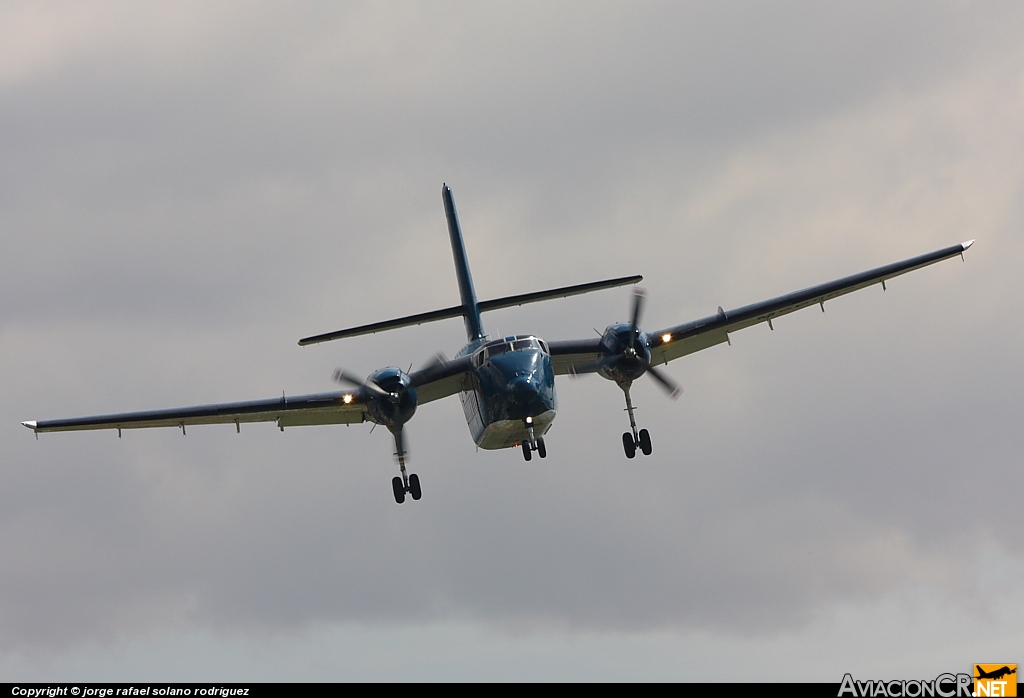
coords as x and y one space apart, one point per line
942 686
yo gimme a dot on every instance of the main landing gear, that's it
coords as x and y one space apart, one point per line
633 439
412 486
406 483
533 444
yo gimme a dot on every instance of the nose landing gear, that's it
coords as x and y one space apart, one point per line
533 444
633 439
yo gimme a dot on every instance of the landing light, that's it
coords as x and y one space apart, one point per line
529 420
347 399
666 337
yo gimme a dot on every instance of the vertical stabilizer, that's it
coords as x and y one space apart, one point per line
470 308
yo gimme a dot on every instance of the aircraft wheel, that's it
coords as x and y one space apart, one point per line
628 445
527 453
414 486
645 442
396 485
542 451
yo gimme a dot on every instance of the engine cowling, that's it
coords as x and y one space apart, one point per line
395 403
630 350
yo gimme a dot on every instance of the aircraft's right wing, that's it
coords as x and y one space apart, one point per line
673 342
345 407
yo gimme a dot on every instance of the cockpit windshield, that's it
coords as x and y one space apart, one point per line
508 344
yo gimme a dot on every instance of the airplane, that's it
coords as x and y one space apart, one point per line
506 384
996 674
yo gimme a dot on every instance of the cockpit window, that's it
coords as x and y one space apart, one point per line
530 343
511 344
496 349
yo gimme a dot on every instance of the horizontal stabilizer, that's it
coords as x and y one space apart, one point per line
564 292
457 311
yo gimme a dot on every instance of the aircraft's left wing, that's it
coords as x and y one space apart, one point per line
575 355
670 343
346 407
690 337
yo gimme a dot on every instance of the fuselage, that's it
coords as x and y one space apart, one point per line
511 389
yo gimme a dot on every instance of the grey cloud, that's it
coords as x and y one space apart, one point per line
172 225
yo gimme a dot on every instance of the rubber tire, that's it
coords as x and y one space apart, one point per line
628 445
414 486
542 450
527 453
399 488
645 442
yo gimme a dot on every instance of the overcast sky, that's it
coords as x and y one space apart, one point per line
188 188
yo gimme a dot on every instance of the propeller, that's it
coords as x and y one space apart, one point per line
344 377
670 386
438 360
639 298
629 351
673 389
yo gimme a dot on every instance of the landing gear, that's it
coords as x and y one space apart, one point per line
628 445
406 483
633 439
400 488
533 444
645 445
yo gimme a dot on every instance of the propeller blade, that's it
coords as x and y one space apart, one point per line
343 376
667 383
639 296
437 360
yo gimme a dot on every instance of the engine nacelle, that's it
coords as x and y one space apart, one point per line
396 404
618 340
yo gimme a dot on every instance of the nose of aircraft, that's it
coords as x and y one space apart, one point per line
522 387
524 398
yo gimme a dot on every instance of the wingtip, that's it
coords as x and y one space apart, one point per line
967 244
30 425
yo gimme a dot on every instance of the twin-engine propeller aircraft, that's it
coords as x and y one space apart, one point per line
507 385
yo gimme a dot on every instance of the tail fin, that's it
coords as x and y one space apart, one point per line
470 307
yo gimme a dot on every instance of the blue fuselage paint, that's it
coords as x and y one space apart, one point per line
512 381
